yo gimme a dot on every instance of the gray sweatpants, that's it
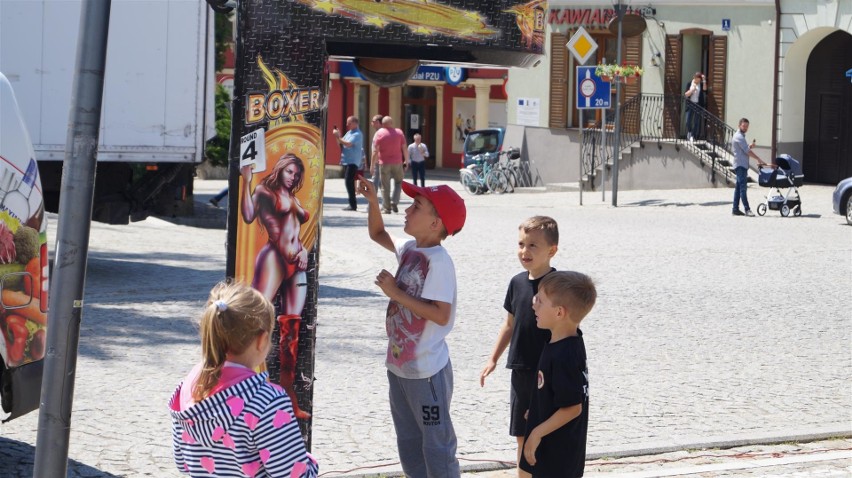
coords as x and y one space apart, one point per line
424 432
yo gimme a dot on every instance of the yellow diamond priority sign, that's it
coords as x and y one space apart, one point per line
582 45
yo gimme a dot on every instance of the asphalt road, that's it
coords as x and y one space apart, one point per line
709 329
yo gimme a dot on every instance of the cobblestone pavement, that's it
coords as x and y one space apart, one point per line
709 329
824 458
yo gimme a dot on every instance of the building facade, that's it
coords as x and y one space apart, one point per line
442 104
779 63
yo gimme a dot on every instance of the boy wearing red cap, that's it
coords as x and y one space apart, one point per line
420 315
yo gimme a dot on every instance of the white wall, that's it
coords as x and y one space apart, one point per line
530 83
804 24
750 56
751 50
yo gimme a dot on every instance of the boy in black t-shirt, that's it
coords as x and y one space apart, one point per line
538 239
555 444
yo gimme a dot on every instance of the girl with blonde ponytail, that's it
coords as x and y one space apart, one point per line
228 420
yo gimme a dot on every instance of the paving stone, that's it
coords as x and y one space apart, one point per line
708 328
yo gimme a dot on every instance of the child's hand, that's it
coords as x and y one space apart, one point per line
530 446
386 281
366 189
489 367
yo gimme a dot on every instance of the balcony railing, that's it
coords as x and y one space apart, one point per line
656 119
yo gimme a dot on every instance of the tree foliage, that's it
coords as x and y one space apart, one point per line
216 150
223 36
217 147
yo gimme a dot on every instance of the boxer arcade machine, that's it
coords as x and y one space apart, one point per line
277 158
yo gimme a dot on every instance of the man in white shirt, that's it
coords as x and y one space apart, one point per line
417 154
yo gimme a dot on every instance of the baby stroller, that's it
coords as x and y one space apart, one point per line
787 174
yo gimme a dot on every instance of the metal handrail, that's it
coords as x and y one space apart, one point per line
656 118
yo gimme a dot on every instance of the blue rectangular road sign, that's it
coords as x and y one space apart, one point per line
593 93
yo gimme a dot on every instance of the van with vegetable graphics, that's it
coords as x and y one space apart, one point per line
23 264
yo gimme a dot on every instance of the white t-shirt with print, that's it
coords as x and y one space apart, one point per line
417 347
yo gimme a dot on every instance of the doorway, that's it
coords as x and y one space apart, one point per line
419 112
690 51
828 111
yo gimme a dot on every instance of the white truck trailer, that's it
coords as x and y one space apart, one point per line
157 105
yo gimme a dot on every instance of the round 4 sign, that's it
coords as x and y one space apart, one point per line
253 150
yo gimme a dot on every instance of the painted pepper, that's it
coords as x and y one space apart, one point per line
16 334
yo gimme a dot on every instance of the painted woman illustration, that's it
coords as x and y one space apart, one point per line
280 265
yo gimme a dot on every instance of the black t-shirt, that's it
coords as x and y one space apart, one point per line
562 382
527 339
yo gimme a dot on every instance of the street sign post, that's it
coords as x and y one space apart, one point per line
594 94
583 47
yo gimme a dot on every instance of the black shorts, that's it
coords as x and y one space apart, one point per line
520 394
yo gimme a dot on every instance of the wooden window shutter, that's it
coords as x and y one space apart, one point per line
558 80
632 56
672 86
716 76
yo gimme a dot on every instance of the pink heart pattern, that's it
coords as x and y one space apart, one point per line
298 469
281 418
208 464
217 434
229 442
236 404
186 437
264 455
251 420
250 469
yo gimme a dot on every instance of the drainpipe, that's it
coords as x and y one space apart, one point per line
616 148
775 78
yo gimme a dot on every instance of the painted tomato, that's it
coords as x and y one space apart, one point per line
37 344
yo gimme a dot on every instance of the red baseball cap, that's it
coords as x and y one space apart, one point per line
447 203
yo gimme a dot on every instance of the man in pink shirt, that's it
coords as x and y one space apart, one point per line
391 152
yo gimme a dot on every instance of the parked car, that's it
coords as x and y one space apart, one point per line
487 141
842 199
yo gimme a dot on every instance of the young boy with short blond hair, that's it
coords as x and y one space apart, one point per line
420 315
538 241
558 420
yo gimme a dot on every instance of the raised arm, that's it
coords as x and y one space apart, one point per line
752 154
340 140
375 223
248 207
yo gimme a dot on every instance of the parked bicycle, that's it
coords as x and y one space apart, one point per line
489 173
